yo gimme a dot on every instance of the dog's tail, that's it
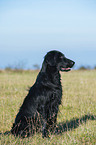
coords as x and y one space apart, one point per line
6 133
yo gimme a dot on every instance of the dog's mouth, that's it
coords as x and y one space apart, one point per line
65 69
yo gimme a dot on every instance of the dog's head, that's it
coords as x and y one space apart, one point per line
58 60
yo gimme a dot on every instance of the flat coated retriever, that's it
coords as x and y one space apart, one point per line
40 107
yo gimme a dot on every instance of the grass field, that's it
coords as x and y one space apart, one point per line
77 116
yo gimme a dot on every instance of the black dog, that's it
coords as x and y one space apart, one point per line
41 105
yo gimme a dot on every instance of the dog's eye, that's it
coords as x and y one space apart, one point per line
62 57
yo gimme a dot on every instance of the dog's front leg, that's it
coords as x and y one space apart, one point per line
45 130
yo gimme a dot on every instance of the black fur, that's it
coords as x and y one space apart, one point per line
41 105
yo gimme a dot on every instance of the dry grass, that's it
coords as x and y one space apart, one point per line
76 119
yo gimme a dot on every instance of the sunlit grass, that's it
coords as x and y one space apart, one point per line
78 101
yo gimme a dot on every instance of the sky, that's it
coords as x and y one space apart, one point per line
31 28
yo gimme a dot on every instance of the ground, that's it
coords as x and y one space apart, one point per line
76 121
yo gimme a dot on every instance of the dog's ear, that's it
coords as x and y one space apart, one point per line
50 59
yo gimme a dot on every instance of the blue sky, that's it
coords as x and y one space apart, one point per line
30 28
